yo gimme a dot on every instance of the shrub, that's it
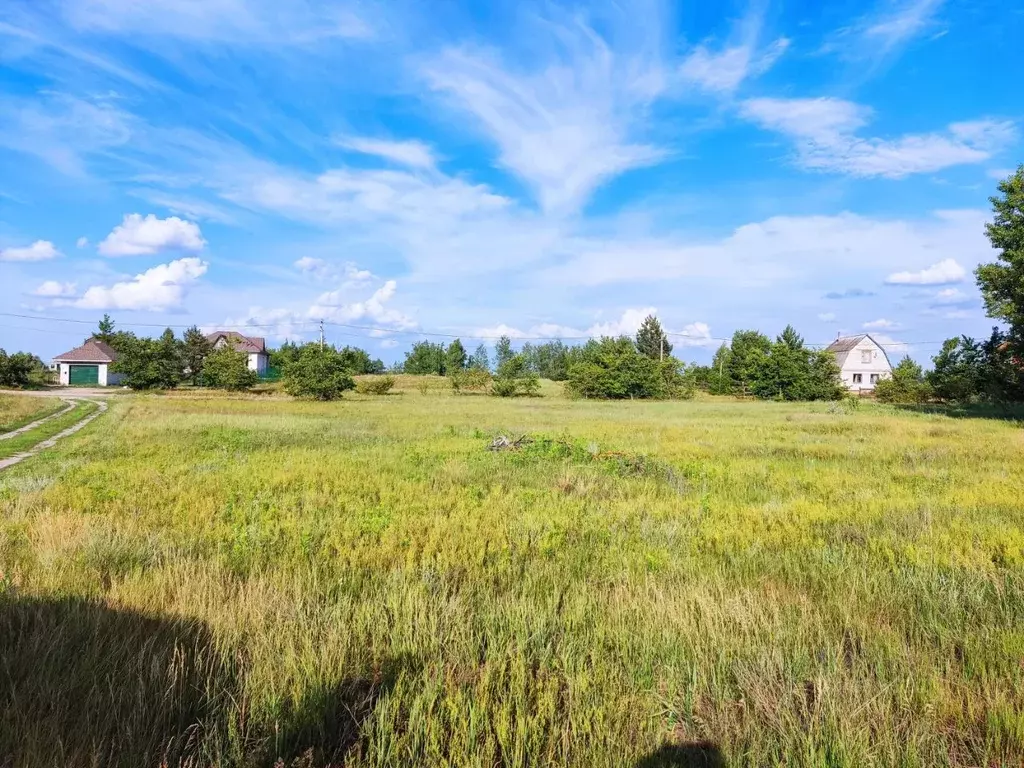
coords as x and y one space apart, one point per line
470 380
906 386
319 373
378 385
228 368
17 368
515 379
614 369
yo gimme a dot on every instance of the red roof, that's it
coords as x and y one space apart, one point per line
238 341
93 351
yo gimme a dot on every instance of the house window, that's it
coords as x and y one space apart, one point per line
874 378
858 378
865 355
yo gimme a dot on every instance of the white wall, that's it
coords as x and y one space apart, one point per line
258 362
878 364
106 377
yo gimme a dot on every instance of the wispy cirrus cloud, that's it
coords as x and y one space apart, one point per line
825 135
412 153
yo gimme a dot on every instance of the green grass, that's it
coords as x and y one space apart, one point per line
17 410
224 581
33 437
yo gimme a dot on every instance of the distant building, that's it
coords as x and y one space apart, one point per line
254 346
862 361
87 365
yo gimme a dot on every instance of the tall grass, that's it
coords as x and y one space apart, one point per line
230 581
18 410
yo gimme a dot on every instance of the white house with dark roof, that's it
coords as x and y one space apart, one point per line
254 346
88 365
862 361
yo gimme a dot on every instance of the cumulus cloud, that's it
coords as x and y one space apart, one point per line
40 250
161 288
945 271
54 289
414 154
824 132
141 235
696 334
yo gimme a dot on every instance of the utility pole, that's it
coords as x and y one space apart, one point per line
662 339
321 334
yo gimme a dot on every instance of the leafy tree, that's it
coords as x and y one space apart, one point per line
613 368
1002 281
469 380
719 381
514 378
359 362
480 360
228 368
548 360
137 361
651 340
791 371
455 357
195 348
279 358
748 350
502 351
318 373
17 368
906 386
168 360
425 358
958 370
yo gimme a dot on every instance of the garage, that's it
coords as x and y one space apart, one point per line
86 375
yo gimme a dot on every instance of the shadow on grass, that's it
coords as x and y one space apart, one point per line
1014 412
82 684
694 754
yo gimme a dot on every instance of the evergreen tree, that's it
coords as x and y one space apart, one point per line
502 351
1002 281
455 357
651 340
105 330
480 360
195 348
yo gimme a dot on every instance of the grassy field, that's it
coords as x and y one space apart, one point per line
17 410
212 581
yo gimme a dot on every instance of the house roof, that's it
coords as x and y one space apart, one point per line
238 341
93 351
846 343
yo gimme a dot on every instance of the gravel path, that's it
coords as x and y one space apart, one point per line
50 442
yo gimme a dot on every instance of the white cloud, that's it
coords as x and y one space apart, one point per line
569 122
824 131
40 250
309 264
54 289
827 317
414 154
325 270
146 236
906 22
82 242
695 334
388 343
259 22
941 273
336 306
1000 173
158 289
880 324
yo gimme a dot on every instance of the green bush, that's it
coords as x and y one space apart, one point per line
228 368
615 369
470 380
906 386
319 373
515 379
378 385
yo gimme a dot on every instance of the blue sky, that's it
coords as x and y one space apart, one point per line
534 169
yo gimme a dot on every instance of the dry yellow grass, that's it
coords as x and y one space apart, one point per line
224 581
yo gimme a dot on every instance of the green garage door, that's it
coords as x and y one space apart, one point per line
84 374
